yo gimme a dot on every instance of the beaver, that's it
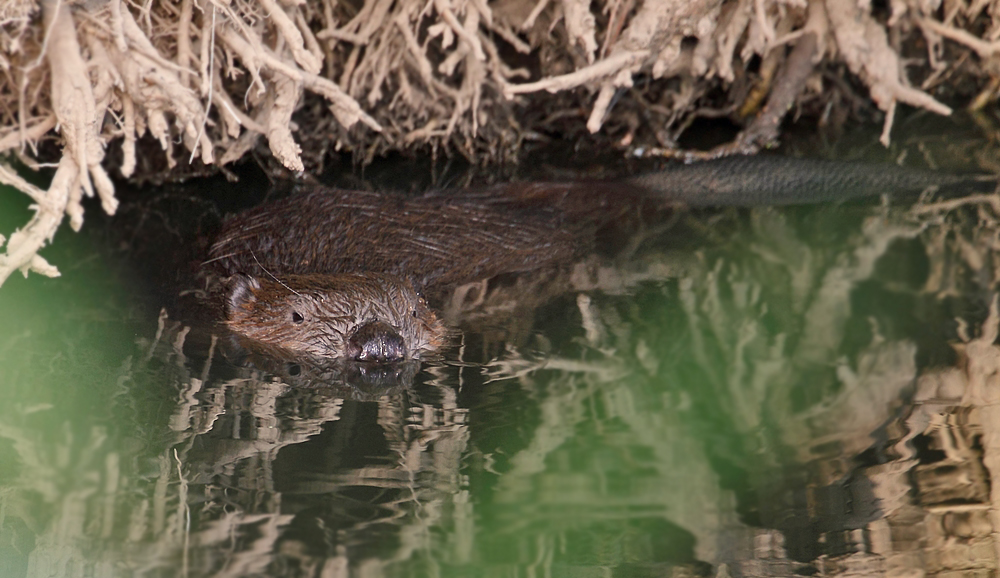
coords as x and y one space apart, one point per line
339 273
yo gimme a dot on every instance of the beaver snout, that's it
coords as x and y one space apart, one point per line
376 341
363 317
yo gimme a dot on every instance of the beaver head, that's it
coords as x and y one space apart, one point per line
364 317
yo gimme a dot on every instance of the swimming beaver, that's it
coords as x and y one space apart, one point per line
374 251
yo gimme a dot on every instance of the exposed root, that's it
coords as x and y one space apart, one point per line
865 47
206 79
983 48
23 246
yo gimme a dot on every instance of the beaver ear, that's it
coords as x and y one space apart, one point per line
241 291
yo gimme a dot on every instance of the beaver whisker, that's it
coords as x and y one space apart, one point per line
259 264
218 258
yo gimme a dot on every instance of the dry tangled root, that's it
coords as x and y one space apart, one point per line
215 75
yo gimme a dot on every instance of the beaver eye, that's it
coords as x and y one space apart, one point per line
413 313
297 317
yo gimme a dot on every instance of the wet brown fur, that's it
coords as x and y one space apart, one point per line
436 241
317 314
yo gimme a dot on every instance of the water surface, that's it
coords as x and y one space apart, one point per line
760 392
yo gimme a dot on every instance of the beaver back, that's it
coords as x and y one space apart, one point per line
433 240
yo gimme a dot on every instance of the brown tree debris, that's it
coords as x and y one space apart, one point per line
207 78
865 47
791 81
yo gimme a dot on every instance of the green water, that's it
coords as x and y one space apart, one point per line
759 392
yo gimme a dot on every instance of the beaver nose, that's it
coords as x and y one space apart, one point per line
376 341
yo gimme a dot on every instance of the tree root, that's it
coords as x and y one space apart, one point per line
213 76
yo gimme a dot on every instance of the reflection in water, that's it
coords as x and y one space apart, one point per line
304 470
783 392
